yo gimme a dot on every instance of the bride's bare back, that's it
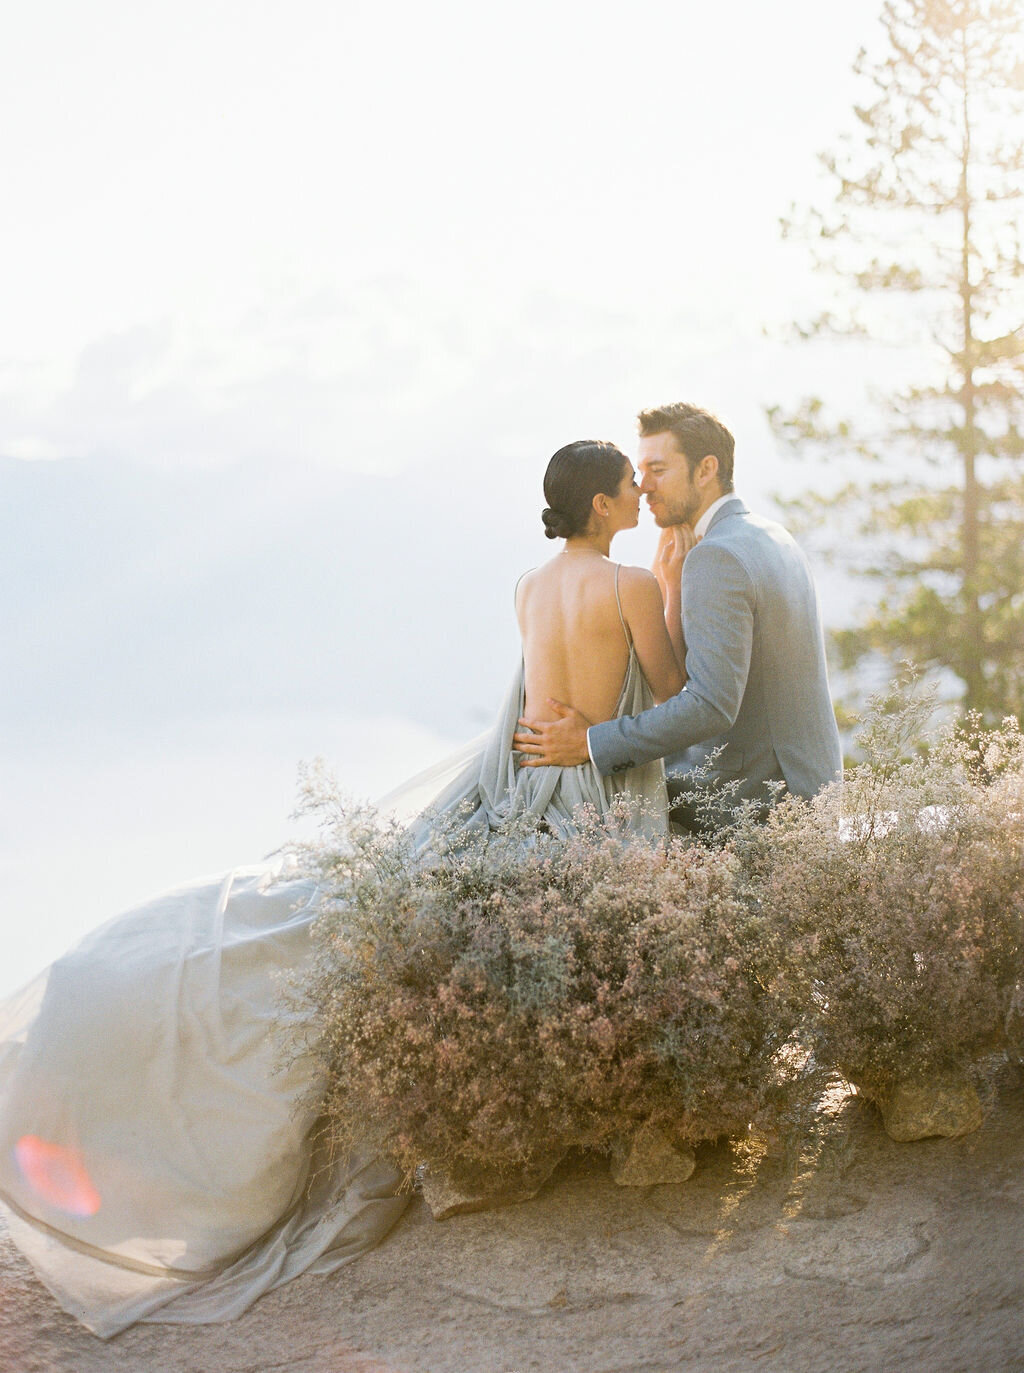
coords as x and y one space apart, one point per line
575 645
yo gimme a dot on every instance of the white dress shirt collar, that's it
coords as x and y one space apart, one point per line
701 527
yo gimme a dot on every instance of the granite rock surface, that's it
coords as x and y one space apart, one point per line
863 1254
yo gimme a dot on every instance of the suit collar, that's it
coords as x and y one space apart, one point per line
729 504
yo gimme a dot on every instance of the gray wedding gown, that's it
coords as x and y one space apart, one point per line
157 1161
485 784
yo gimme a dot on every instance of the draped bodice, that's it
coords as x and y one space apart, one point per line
491 788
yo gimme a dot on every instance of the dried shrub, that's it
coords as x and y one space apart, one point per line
902 894
522 994
518 994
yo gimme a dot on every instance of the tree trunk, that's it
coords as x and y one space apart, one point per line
973 646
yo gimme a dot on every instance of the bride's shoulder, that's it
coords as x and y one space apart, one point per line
636 579
638 588
523 583
631 573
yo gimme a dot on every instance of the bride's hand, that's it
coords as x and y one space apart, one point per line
554 743
665 538
674 544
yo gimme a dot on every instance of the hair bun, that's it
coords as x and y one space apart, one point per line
556 525
575 475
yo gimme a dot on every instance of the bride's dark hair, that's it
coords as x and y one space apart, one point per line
575 475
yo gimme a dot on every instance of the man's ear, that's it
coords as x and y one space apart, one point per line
707 470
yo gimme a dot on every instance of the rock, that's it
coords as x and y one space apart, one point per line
651 1157
728 1272
482 1191
945 1105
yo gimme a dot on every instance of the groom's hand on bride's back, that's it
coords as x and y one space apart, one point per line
559 743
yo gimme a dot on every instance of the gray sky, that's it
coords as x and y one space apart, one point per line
299 300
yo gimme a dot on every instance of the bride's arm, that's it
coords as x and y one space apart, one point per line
645 613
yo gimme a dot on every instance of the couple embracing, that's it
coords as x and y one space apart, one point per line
690 690
157 1162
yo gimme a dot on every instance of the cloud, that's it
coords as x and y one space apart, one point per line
381 378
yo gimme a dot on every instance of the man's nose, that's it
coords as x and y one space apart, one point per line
646 485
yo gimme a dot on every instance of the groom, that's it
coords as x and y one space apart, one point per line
755 716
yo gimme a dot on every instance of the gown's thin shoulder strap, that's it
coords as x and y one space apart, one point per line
618 602
519 582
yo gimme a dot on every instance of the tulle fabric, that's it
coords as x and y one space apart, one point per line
157 1158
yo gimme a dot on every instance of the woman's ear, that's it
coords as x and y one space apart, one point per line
600 504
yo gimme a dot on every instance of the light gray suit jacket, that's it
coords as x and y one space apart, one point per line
757 683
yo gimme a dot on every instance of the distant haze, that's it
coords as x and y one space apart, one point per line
299 301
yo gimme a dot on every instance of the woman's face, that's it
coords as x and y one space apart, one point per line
624 506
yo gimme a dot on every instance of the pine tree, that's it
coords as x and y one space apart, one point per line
925 239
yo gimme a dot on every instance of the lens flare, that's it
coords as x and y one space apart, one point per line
58 1175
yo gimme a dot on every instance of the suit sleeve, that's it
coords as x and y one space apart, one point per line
718 620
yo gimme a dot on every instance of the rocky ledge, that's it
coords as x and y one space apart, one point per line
863 1254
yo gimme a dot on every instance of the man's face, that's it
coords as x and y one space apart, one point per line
667 484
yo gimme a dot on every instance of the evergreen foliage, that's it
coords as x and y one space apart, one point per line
924 240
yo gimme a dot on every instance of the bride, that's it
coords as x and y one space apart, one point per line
156 1161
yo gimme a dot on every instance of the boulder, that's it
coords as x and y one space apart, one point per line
651 1157
479 1190
945 1105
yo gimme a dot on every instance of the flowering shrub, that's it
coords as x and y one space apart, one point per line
902 896
517 994
521 994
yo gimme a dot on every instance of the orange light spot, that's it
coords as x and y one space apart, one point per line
58 1175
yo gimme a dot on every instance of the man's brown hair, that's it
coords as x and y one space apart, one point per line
696 431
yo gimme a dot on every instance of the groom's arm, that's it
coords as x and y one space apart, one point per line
718 622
